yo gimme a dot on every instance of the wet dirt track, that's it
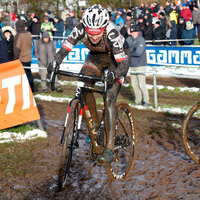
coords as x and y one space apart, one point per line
162 170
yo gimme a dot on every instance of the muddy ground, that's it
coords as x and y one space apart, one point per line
162 170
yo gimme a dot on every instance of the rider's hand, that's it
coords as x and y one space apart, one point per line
110 78
50 67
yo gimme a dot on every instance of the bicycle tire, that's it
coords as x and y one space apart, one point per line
125 154
67 146
191 133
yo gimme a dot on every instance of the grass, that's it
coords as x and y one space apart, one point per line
17 158
19 129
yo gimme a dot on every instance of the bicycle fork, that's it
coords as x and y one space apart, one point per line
76 126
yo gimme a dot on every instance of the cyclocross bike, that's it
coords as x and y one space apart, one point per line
125 135
191 133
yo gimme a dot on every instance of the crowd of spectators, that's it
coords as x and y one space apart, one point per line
156 22
161 22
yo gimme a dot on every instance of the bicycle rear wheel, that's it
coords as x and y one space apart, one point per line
68 145
191 133
125 143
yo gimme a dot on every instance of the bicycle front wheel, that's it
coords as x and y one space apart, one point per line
191 133
68 145
125 143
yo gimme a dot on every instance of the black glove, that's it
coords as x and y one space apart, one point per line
50 67
134 48
109 78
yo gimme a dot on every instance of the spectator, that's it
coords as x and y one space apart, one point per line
167 8
36 27
68 25
137 46
186 13
148 31
7 22
174 15
122 14
9 34
122 30
74 19
64 13
188 33
1 24
30 22
159 33
173 33
141 23
164 21
58 30
22 49
156 6
118 19
23 16
181 28
3 45
196 19
142 8
162 9
136 13
129 19
45 51
47 26
50 15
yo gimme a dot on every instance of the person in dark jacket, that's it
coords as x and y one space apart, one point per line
188 33
173 33
181 28
137 46
9 34
3 45
30 22
148 31
44 51
167 8
141 23
58 30
159 33
36 27
68 25
22 49
122 30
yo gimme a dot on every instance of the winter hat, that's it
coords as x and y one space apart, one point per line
184 5
45 34
134 28
56 17
22 12
157 22
120 24
119 9
162 13
181 18
32 14
129 14
7 31
188 22
154 15
48 12
141 17
46 18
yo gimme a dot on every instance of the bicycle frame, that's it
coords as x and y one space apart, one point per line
80 90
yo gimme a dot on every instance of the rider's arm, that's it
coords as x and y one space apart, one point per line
77 34
117 43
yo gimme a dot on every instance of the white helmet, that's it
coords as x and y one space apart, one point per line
95 17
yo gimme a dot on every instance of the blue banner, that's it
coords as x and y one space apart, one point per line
156 55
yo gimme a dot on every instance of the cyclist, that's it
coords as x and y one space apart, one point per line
108 50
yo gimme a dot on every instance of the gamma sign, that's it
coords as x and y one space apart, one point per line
17 104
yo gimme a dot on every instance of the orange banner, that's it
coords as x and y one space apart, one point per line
17 104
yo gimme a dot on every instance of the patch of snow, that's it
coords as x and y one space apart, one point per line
11 136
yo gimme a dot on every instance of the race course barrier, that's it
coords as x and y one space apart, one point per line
17 104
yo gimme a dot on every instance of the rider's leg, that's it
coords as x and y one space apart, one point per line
111 114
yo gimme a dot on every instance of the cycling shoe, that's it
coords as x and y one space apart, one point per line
88 139
106 158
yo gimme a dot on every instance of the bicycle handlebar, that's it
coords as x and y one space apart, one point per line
72 74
